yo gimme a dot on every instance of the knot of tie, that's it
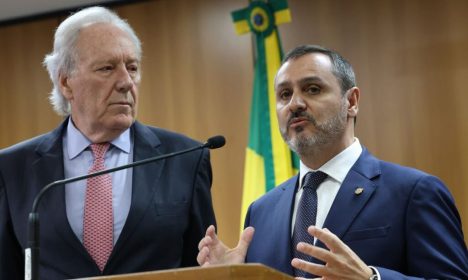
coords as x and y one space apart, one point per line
99 150
313 179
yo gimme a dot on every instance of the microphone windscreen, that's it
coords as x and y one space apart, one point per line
215 142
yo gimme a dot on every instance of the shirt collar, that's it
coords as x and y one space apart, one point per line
338 167
76 142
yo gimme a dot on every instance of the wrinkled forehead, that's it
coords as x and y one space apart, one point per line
99 33
104 39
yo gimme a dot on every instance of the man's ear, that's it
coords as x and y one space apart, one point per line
64 85
352 95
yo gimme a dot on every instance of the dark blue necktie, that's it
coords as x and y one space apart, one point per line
306 215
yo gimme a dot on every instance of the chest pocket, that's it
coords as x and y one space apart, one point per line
368 233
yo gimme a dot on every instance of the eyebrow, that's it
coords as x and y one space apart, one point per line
312 79
306 80
114 60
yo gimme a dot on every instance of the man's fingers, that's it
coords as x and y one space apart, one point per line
210 237
245 239
328 238
211 231
206 241
202 257
214 251
314 251
312 268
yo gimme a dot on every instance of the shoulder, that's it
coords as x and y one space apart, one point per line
274 195
396 176
46 143
401 172
164 136
404 174
25 147
274 206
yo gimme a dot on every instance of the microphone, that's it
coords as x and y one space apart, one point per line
215 142
31 271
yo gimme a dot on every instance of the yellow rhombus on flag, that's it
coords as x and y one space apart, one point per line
268 160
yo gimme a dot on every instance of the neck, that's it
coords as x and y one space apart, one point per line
316 156
98 134
101 137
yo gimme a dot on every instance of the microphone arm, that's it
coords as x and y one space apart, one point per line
32 252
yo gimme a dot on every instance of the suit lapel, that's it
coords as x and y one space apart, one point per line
46 169
282 218
146 145
356 190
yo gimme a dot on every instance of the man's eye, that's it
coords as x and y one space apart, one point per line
313 90
105 68
132 68
284 95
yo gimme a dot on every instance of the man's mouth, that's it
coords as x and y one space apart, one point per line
122 104
298 122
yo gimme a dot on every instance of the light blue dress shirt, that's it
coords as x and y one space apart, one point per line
78 159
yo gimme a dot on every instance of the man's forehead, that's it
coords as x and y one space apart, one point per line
103 39
310 61
304 67
99 33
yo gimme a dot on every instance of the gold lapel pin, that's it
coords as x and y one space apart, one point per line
358 191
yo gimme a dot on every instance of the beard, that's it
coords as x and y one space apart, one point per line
326 133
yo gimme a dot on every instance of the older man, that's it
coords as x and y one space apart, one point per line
367 218
147 218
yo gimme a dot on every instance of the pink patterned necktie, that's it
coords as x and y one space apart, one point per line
98 217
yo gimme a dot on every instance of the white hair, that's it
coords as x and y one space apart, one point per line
63 57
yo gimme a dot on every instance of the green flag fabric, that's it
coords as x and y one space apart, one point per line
268 160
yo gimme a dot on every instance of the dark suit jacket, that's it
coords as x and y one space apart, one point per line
404 223
171 208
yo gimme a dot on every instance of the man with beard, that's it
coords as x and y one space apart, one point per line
347 214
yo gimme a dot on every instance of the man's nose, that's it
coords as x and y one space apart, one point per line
297 103
125 81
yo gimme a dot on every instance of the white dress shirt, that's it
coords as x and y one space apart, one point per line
337 168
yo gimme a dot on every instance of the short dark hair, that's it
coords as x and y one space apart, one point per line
342 69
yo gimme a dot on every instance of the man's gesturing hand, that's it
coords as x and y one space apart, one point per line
340 261
213 251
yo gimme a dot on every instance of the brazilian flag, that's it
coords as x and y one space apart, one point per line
268 160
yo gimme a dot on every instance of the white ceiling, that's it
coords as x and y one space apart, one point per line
18 9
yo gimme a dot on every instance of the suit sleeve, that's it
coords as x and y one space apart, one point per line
11 257
202 213
247 217
435 242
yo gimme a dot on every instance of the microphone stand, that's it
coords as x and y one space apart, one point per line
31 271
